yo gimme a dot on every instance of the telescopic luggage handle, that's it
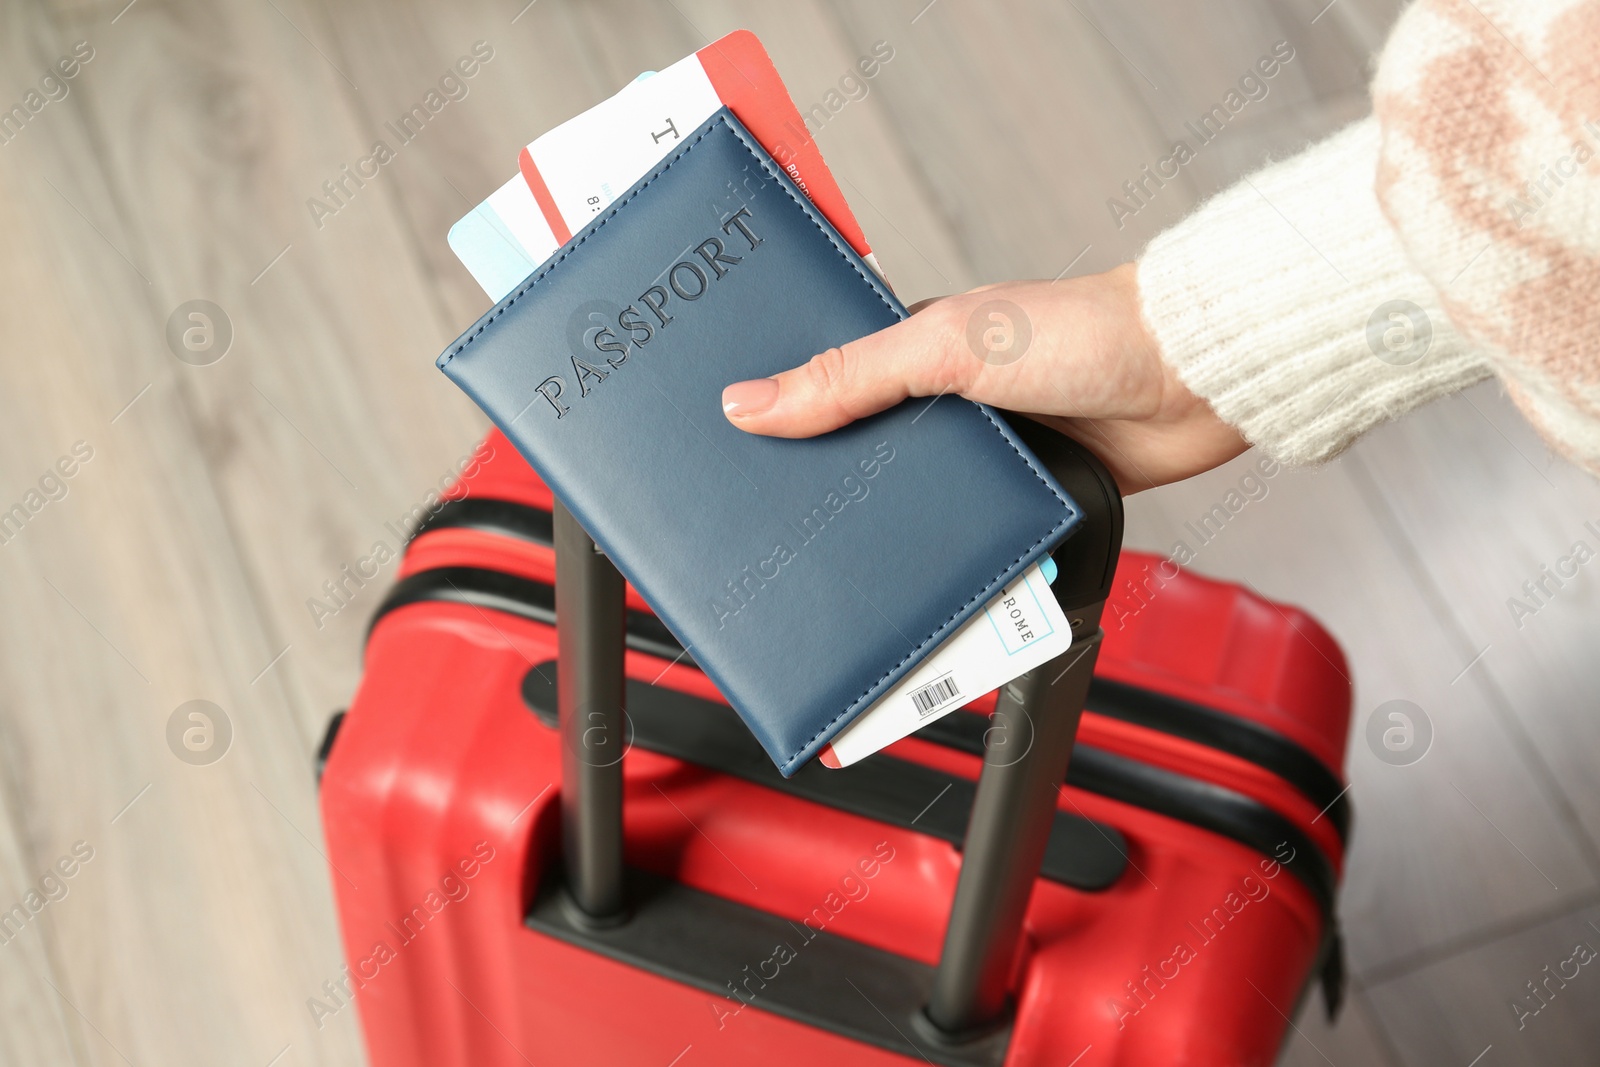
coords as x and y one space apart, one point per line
1028 744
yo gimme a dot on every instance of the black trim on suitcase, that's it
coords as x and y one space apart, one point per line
1243 738
1083 854
966 732
491 515
481 587
1191 800
891 790
647 634
325 749
527 599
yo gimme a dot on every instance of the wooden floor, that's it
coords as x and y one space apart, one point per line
215 500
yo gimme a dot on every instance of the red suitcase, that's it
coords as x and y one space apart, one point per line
1171 903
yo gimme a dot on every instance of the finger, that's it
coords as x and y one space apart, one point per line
915 357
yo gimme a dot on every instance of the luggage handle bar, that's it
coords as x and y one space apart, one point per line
1016 795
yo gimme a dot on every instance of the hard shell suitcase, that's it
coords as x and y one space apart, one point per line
536 861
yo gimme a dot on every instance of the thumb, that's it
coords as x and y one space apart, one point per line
914 357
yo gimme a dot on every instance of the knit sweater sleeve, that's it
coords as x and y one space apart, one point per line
1288 304
1402 258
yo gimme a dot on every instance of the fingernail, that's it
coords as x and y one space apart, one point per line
749 398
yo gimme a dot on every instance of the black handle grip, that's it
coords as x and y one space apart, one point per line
1087 561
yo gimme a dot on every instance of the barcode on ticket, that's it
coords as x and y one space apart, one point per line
935 695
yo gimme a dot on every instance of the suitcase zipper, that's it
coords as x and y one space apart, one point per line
1176 716
1196 801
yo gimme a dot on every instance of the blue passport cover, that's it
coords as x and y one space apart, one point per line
804 576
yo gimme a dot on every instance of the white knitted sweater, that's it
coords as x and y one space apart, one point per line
1453 235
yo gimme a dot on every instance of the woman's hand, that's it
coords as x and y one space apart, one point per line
1074 354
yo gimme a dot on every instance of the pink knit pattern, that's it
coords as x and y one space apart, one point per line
1490 173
